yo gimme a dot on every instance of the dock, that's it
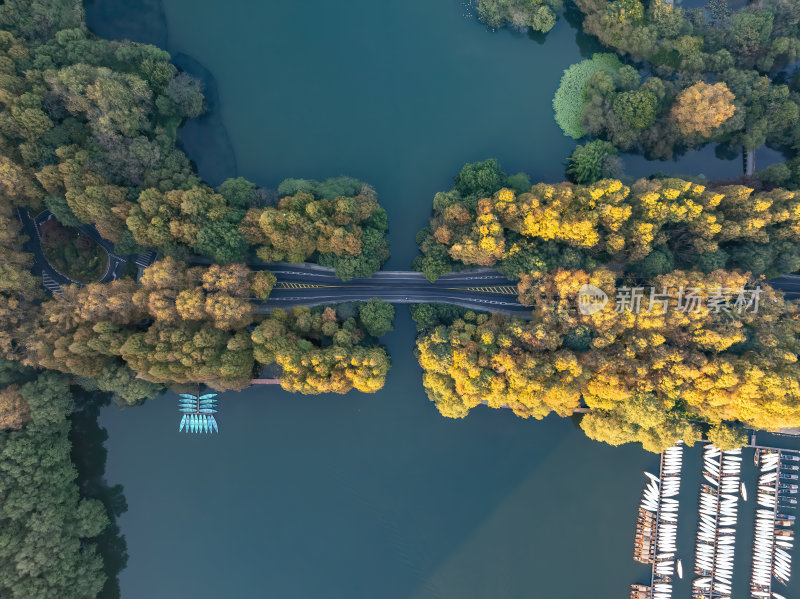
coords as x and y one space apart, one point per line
774 538
777 495
656 528
718 516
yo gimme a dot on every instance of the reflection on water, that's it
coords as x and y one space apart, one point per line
89 456
712 162
136 20
364 496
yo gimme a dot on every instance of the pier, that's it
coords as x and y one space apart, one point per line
771 545
721 487
716 533
748 162
656 529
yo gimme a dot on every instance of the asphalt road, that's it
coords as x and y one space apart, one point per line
313 285
789 284
52 278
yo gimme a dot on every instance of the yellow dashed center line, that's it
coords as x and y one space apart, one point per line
503 290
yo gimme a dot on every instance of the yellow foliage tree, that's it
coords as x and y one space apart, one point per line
701 108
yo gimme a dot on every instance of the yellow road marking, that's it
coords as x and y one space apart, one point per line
500 290
507 290
285 285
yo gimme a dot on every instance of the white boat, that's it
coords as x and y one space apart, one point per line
679 567
744 491
652 477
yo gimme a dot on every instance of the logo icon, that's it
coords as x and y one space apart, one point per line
591 299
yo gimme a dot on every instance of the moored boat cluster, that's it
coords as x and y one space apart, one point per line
774 538
657 526
716 531
776 500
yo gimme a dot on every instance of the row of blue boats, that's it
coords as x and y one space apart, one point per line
198 413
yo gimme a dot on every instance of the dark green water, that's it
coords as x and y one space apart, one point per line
371 497
399 93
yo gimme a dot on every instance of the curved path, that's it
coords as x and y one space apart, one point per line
52 279
312 285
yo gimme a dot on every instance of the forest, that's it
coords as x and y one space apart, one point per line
88 131
689 78
48 532
650 375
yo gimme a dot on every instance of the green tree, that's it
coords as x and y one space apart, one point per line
569 99
658 262
377 317
636 108
45 526
480 178
222 242
57 204
238 192
593 161
750 30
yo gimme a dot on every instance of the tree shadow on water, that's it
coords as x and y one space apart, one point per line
587 44
141 21
89 456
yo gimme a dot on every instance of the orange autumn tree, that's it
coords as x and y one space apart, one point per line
651 376
319 351
701 108
14 411
178 325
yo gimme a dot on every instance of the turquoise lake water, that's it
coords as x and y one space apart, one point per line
374 496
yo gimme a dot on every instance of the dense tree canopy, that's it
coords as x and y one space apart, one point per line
651 377
648 376
346 232
320 351
650 227
46 528
539 15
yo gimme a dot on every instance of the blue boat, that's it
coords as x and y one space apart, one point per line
197 413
